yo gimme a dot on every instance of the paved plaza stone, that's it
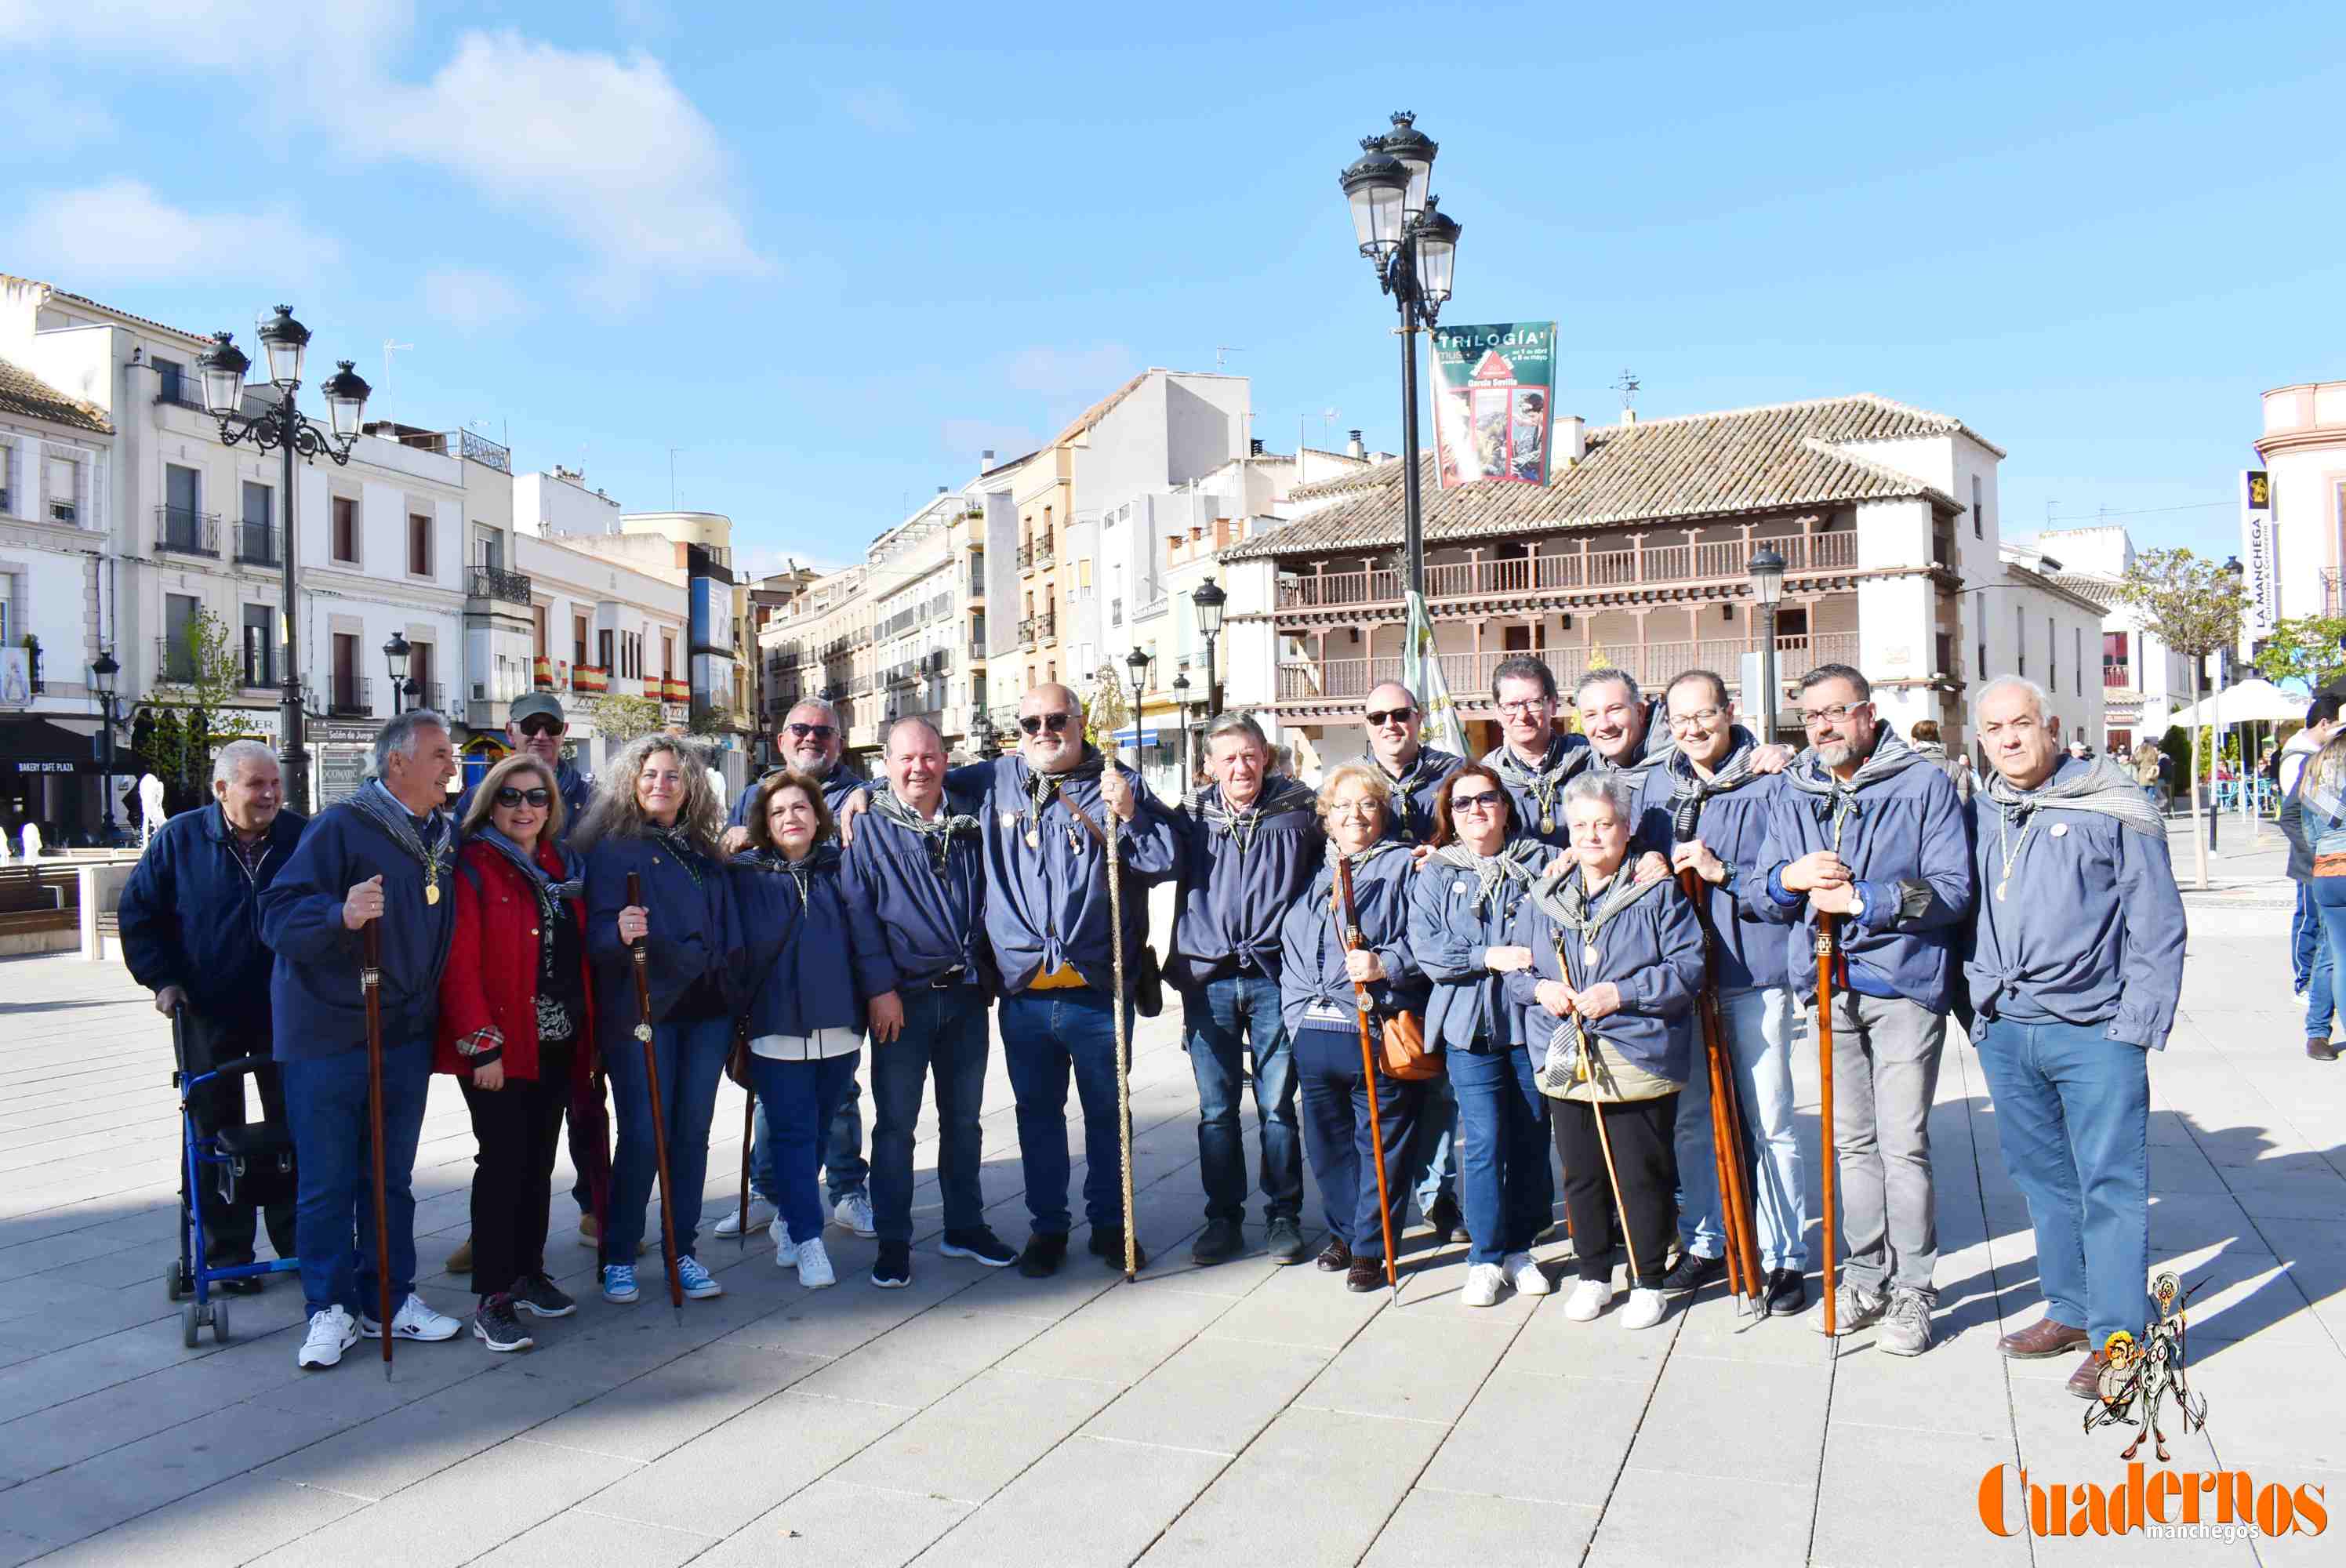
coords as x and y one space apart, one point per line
1239 1414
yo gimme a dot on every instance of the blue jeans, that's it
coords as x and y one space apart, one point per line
798 1098
944 1035
1219 1013
691 1059
2310 964
1047 1035
326 1112
1336 1135
1759 1031
844 1167
1431 1161
1503 1181
2073 1114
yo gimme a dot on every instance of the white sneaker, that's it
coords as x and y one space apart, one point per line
731 1226
1645 1308
853 1213
786 1251
331 1332
1482 1283
1525 1275
415 1319
814 1265
1588 1297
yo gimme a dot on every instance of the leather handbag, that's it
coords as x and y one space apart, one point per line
1401 1033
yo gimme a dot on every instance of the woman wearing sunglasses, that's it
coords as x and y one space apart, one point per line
515 1031
1464 903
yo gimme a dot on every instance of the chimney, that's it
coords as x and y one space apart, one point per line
1629 416
1254 447
1571 438
986 460
1353 447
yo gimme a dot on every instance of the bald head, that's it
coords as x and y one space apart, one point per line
917 763
1392 720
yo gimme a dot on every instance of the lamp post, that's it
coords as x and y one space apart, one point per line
103 673
1181 701
280 426
981 735
395 654
1414 248
1210 599
1137 661
1766 572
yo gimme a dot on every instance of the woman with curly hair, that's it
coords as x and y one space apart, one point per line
655 815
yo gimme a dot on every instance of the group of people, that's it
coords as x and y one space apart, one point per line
1427 972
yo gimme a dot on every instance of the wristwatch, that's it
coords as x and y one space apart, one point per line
1728 883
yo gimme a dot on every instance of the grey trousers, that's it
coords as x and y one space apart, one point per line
1885 1072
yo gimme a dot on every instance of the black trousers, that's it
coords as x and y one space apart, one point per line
518 1129
1336 1135
1644 1155
229 1232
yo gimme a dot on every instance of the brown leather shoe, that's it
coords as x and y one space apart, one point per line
1334 1256
2085 1383
2046 1336
1366 1273
2319 1047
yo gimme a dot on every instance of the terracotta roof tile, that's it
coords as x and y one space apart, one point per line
22 391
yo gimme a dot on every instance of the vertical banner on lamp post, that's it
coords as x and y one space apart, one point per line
1493 401
2257 556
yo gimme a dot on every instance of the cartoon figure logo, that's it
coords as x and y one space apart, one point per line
2137 1378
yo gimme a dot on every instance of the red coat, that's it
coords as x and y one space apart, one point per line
492 966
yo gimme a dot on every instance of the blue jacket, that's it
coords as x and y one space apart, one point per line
931 923
576 789
837 786
690 928
1414 795
1047 903
1235 891
1451 930
1651 952
1311 950
1575 753
316 1004
2090 928
1909 829
1750 954
190 917
792 953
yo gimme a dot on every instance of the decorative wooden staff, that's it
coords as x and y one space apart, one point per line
1352 934
660 1116
1743 1276
1827 930
371 983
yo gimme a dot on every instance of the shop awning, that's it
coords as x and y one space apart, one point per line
32 744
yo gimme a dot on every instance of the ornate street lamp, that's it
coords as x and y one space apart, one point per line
280 426
103 673
1181 701
982 739
1210 599
1766 572
1137 661
395 654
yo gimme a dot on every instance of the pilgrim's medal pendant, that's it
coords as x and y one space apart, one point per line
1033 838
2000 886
432 891
1588 956
1547 824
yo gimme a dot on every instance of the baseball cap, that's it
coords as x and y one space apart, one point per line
538 705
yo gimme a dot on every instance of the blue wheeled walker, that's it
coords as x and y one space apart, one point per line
251 1164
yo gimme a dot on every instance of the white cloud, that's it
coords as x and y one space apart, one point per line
1054 372
121 231
879 109
471 298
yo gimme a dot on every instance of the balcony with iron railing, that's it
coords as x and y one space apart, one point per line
1725 563
180 390
175 661
1025 557
185 532
1047 627
2118 678
496 583
1311 683
351 697
462 444
260 544
1045 552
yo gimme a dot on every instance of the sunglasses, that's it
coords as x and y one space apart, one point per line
510 796
811 731
1390 716
1485 802
540 725
1035 723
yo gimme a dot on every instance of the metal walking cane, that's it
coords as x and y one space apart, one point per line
371 983
660 1116
1351 935
1123 1046
1827 930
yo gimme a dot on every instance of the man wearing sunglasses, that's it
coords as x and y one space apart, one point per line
1872 833
810 741
537 724
1416 771
1045 808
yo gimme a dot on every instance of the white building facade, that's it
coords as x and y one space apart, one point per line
2303 447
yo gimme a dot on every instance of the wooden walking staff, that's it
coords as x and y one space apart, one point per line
1588 1046
1741 1248
371 983
741 1065
1367 1009
660 1116
1827 929
1123 1046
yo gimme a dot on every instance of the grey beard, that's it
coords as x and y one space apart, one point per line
1839 754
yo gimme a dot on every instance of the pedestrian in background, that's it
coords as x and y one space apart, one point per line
2309 953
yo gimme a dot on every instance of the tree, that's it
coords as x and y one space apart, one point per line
190 710
2193 606
623 718
2308 649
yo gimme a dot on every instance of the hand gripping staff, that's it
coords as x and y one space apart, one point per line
652 1087
1828 928
371 983
1586 1073
1347 927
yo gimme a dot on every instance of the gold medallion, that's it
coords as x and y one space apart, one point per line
432 893
1547 824
1033 838
1588 955
643 1032
1999 891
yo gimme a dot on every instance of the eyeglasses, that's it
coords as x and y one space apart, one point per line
1697 716
1529 705
811 731
1035 723
1486 802
510 796
1390 716
538 723
1354 809
1838 713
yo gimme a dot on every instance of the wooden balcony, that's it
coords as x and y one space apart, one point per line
1337 686
1723 563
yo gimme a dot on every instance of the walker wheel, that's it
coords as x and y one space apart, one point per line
220 1322
188 1325
175 1283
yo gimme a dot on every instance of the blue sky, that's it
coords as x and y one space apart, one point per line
833 254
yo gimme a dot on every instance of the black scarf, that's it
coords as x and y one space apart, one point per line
1835 803
1692 790
1545 782
938 835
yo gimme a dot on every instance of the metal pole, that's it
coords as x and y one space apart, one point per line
1767 706
1213 684
294 760
2216 748
105 786
1413 502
